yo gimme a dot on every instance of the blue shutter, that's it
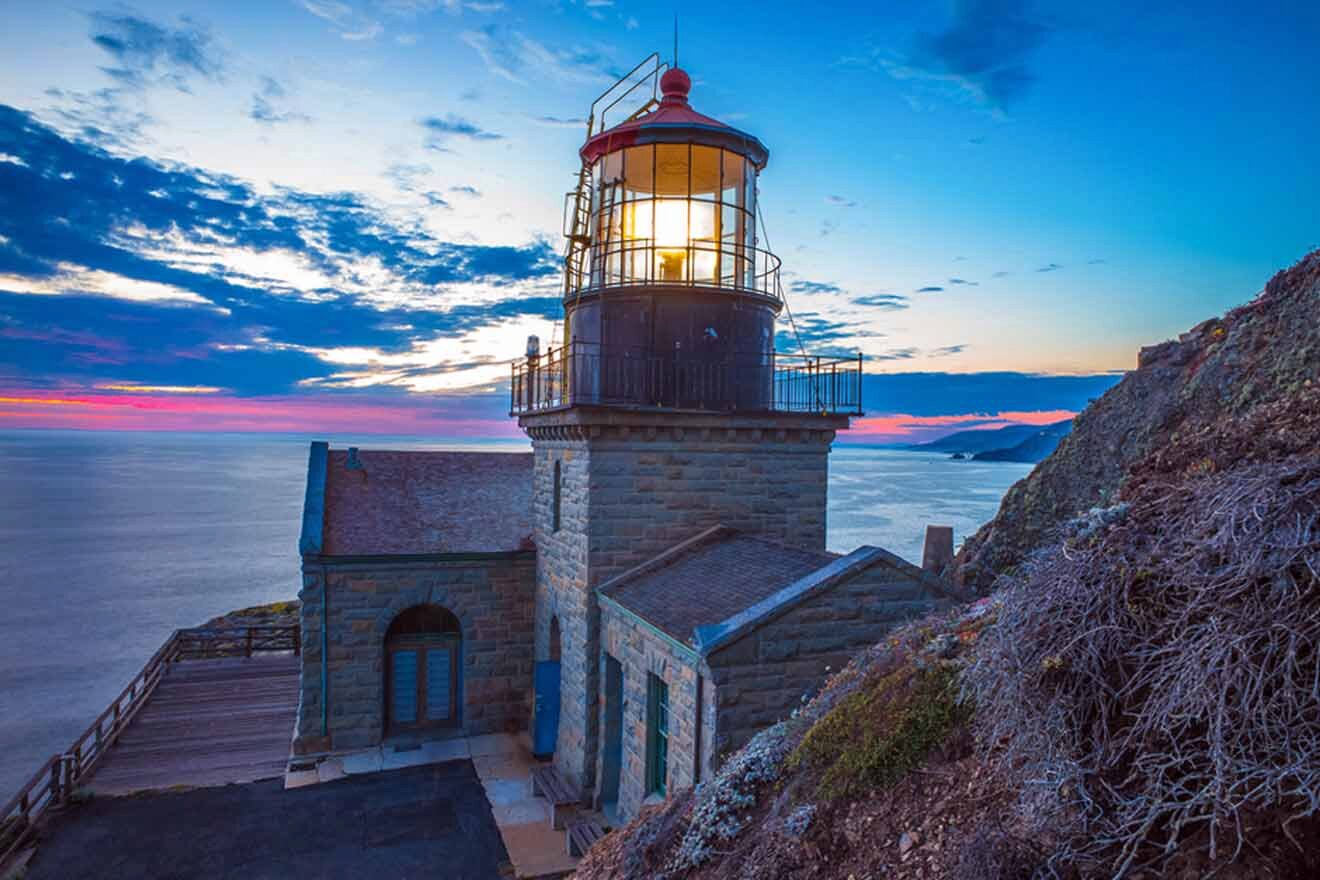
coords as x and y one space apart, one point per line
404 687
438 685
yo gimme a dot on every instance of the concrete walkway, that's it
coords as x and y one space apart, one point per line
503 764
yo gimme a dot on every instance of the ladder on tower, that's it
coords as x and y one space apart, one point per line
577 204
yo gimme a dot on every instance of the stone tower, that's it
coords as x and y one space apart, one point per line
665 409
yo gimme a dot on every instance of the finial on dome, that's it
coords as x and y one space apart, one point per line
675 85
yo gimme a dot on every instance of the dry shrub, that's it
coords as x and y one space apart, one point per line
1153 682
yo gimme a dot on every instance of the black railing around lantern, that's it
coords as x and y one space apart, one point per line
591 374
641 261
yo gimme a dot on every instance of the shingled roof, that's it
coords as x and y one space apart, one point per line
710 579
417 503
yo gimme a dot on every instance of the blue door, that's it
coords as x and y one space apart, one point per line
545 712
403 687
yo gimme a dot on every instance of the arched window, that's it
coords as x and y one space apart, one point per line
558 498
423 648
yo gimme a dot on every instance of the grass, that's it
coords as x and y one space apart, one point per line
876 735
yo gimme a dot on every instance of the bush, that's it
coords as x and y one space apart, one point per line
1153 682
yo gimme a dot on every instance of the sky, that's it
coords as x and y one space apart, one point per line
344 215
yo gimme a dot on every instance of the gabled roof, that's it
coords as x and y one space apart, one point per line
709 579
718 586
389 503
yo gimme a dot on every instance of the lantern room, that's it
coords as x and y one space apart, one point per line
670 299
672 200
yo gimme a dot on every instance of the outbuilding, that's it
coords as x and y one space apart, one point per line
419 576
723 635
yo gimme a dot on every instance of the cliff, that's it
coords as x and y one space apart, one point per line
1137 698
1220 371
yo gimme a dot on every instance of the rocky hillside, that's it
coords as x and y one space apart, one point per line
1136 699
1221 370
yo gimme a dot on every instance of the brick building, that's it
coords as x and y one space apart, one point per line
650 586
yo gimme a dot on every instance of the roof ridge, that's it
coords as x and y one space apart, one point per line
718 531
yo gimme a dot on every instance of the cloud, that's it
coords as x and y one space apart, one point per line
265 99
964 282
841 201
350 24
803 286
817 334
172 275
1096 262
889 302
146 53
1001 274
929 289
415 8
466 190
1050 267
560 121
896 354
947 350
518 58
440 130
984 52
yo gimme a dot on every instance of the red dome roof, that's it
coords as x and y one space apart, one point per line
674 122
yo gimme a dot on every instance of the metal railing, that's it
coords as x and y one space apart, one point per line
59 778
590 374
735 267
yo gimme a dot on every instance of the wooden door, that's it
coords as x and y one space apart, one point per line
423 682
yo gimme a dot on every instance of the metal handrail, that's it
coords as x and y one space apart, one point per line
653 75
755 270
54 784
592 374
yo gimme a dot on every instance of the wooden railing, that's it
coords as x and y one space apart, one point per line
60 777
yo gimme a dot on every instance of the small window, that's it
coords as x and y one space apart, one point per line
657 734
558 496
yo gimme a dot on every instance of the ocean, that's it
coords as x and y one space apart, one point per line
110 541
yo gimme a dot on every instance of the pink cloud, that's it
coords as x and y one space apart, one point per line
97 410
901 428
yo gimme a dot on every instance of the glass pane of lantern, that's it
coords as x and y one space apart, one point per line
611 167
749 197
705 172
639 170
730 241
704 265
637 220
733 177
671 223
671 169
703 222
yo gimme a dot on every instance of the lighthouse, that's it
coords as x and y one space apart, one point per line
663 411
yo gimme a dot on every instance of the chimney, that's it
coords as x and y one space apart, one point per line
938 552
355 464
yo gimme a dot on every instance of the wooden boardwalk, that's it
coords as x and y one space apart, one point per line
209 722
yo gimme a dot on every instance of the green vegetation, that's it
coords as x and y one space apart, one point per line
875 735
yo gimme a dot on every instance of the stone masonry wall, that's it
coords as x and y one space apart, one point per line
631 490
562 594
493 600
640 651
761 678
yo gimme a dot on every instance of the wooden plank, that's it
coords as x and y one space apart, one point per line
209 722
